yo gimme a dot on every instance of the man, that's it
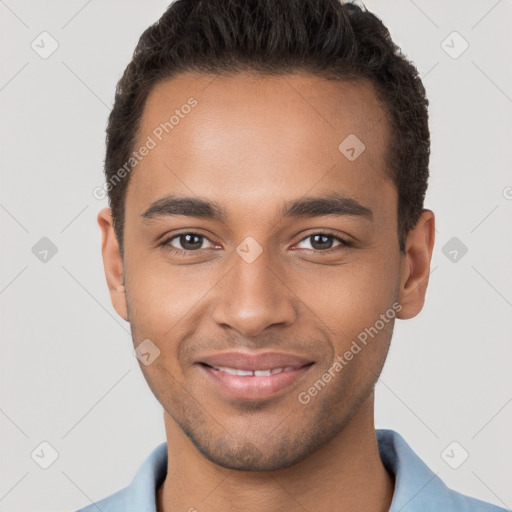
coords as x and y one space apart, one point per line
266 165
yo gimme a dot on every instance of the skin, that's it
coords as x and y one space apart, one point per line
253 143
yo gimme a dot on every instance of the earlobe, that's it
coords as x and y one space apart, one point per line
416 266
112 262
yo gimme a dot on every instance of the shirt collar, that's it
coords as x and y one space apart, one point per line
416 486
141 493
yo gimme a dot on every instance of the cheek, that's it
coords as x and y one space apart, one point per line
162 297
351 297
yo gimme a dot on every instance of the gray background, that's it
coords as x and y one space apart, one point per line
68 374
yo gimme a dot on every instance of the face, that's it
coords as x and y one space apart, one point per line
258 254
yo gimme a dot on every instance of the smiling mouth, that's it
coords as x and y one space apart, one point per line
253 373
247 384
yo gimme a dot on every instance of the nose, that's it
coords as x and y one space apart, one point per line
253 297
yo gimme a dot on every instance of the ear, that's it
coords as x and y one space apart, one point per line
112 262
416 266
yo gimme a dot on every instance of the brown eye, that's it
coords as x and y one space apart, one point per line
323 241
186 242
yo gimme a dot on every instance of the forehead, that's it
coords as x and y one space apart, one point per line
244 138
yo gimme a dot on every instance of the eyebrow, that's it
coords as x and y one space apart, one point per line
334 204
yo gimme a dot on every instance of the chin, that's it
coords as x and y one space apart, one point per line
242 455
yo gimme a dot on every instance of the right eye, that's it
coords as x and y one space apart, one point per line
185 242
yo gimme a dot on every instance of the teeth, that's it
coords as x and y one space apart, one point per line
243 373
262 373
257 373
234 371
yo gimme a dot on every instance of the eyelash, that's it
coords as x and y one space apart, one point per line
166 243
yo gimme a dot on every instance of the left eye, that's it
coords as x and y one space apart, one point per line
323 241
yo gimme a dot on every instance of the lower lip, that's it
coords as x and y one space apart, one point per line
253 387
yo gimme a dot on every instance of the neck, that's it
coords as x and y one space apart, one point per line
346 474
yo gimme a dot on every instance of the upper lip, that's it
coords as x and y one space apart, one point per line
262 361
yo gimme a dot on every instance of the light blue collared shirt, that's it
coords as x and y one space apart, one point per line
417 488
